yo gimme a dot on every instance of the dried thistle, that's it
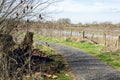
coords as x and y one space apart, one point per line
31 7
16 26
28 20
21 1
17 14
40 16
23 10
27 7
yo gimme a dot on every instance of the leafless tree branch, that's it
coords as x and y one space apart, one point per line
19 9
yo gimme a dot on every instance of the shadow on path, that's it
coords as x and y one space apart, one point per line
85 66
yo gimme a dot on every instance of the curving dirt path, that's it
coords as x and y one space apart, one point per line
83 65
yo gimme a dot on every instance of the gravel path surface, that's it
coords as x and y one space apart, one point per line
85 66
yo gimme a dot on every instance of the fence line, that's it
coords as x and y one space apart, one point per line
103 38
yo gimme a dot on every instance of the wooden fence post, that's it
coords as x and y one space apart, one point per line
104 38
118 42
92 37
83 34
71 33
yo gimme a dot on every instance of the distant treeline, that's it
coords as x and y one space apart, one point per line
67 25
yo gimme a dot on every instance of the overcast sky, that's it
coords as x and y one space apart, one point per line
87 11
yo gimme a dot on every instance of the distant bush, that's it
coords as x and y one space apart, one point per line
68 40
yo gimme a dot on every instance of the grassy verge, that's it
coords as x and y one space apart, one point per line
112 59
57 61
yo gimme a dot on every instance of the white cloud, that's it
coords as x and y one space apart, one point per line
80 11
76 7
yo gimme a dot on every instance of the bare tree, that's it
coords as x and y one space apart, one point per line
12 11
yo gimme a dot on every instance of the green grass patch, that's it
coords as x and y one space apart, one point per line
86 46
112 59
